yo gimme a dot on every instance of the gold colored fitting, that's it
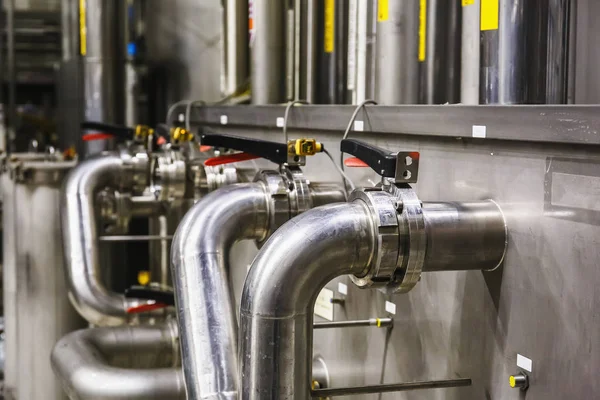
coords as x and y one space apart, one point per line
304 147
144 278
143 131
181 135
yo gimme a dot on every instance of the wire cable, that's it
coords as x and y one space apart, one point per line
286 115
173 108
347 180
349 127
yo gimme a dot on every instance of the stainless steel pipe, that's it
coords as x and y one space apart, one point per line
281 289
321 244
205 306
80 239
464 236
120 363
397 65
235 46
200 263
268 52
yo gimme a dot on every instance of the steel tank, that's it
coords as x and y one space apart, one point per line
37 310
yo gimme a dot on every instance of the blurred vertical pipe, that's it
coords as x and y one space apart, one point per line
308 42
341 51
470 46
397 71
525 59
268 52
235 46
443 42
11 73
290 49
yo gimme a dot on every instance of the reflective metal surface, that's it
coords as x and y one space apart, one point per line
397 74
200 270
120 363
470 58
297 261
36 308
80 237
268 52
235 71
464 236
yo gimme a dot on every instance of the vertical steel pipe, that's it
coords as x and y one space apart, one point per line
205 306
397 74
268 52
470 46
308 51
281 289
80 240
235 46
525 59
37 309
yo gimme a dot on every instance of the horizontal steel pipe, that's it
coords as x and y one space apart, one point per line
464 236
398 387
119 363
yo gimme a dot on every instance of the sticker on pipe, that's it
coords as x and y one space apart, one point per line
324 306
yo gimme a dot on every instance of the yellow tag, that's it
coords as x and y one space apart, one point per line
144 277
422 30
512 381
329 26
383 10
82 29
467 2
489 15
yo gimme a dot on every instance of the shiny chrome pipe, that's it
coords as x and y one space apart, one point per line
80 239
281 289
133 363
205 305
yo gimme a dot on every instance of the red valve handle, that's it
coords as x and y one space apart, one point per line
96 136
229 158
354 162
143 308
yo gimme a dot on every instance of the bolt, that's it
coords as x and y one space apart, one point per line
399 206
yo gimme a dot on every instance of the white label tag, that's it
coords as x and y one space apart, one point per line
524 362
343 288
479 131
390 307
181 117
279 122
224 120
359 126
324 306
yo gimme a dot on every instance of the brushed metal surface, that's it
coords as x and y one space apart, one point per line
542 303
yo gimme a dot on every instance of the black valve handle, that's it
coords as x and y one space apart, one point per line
116 130
272 151
145 293
381 161
403 167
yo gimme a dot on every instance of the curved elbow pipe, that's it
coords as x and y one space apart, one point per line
98 364
80 239
205 306
281 289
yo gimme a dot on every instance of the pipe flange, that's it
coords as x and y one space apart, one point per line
137 170
168 177
289 195
207 179
300 199
412 255
387 244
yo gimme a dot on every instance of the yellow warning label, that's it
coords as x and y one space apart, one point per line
489 15
467 2
82 29
329 26
383 11
422 30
